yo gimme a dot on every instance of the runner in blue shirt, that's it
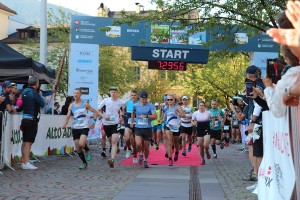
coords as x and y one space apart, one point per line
144 112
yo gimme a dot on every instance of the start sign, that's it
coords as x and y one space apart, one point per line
168 54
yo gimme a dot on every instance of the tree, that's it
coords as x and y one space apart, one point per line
208 14
117 69
221 79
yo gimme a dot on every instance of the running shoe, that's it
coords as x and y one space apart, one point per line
88 156
134 160
166 155
146 164
170 162
252 187
140 161
111 163
103 154
176 156
83 166
183 152
215 155
157 147
28 166
203 161
190 148
128 153
208 156
221 145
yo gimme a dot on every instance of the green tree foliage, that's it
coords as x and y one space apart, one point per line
154 84
116 69
58 47
223 76
201 15
220 79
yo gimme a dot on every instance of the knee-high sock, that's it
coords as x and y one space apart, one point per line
214 148
82 157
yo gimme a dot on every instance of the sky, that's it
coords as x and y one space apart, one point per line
89 7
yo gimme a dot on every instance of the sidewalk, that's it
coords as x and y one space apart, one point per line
59 178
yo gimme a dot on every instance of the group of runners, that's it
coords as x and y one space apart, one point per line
146 123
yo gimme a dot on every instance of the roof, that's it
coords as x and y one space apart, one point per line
7 9
17 68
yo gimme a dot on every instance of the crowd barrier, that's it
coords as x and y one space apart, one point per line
50 140
276 175
295 140
1 148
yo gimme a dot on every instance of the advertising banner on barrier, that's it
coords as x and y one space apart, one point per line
50 140
83 71
276 175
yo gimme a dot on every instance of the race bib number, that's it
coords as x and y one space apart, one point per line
143 122
226 128
173 128
235 122
129 121
111 118
216 123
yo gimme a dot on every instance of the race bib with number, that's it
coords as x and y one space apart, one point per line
235 122
226 128
143 121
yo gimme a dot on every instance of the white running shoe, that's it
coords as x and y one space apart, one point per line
252 187
135 160
128 153
28 166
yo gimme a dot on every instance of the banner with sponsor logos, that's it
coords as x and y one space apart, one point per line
83 71
50 140
103 31
276 176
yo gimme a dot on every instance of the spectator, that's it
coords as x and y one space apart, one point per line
56 108
32 102
65 107
14 89
288 87
18 98
5 102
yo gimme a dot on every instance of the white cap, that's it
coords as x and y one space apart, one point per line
156 104
185 97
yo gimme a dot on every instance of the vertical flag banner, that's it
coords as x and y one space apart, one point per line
83 71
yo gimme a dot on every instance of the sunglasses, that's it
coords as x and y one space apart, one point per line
170 99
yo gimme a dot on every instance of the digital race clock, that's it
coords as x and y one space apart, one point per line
167 65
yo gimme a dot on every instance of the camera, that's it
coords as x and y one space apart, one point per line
235 99
234 102
274 69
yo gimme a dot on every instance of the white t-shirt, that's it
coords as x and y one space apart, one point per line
112 110
201 117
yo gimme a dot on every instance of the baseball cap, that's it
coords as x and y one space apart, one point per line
113 88
185 97
13 84
143 94
156 104
165 97
252 69
6 84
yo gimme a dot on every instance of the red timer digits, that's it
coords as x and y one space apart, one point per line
167 65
